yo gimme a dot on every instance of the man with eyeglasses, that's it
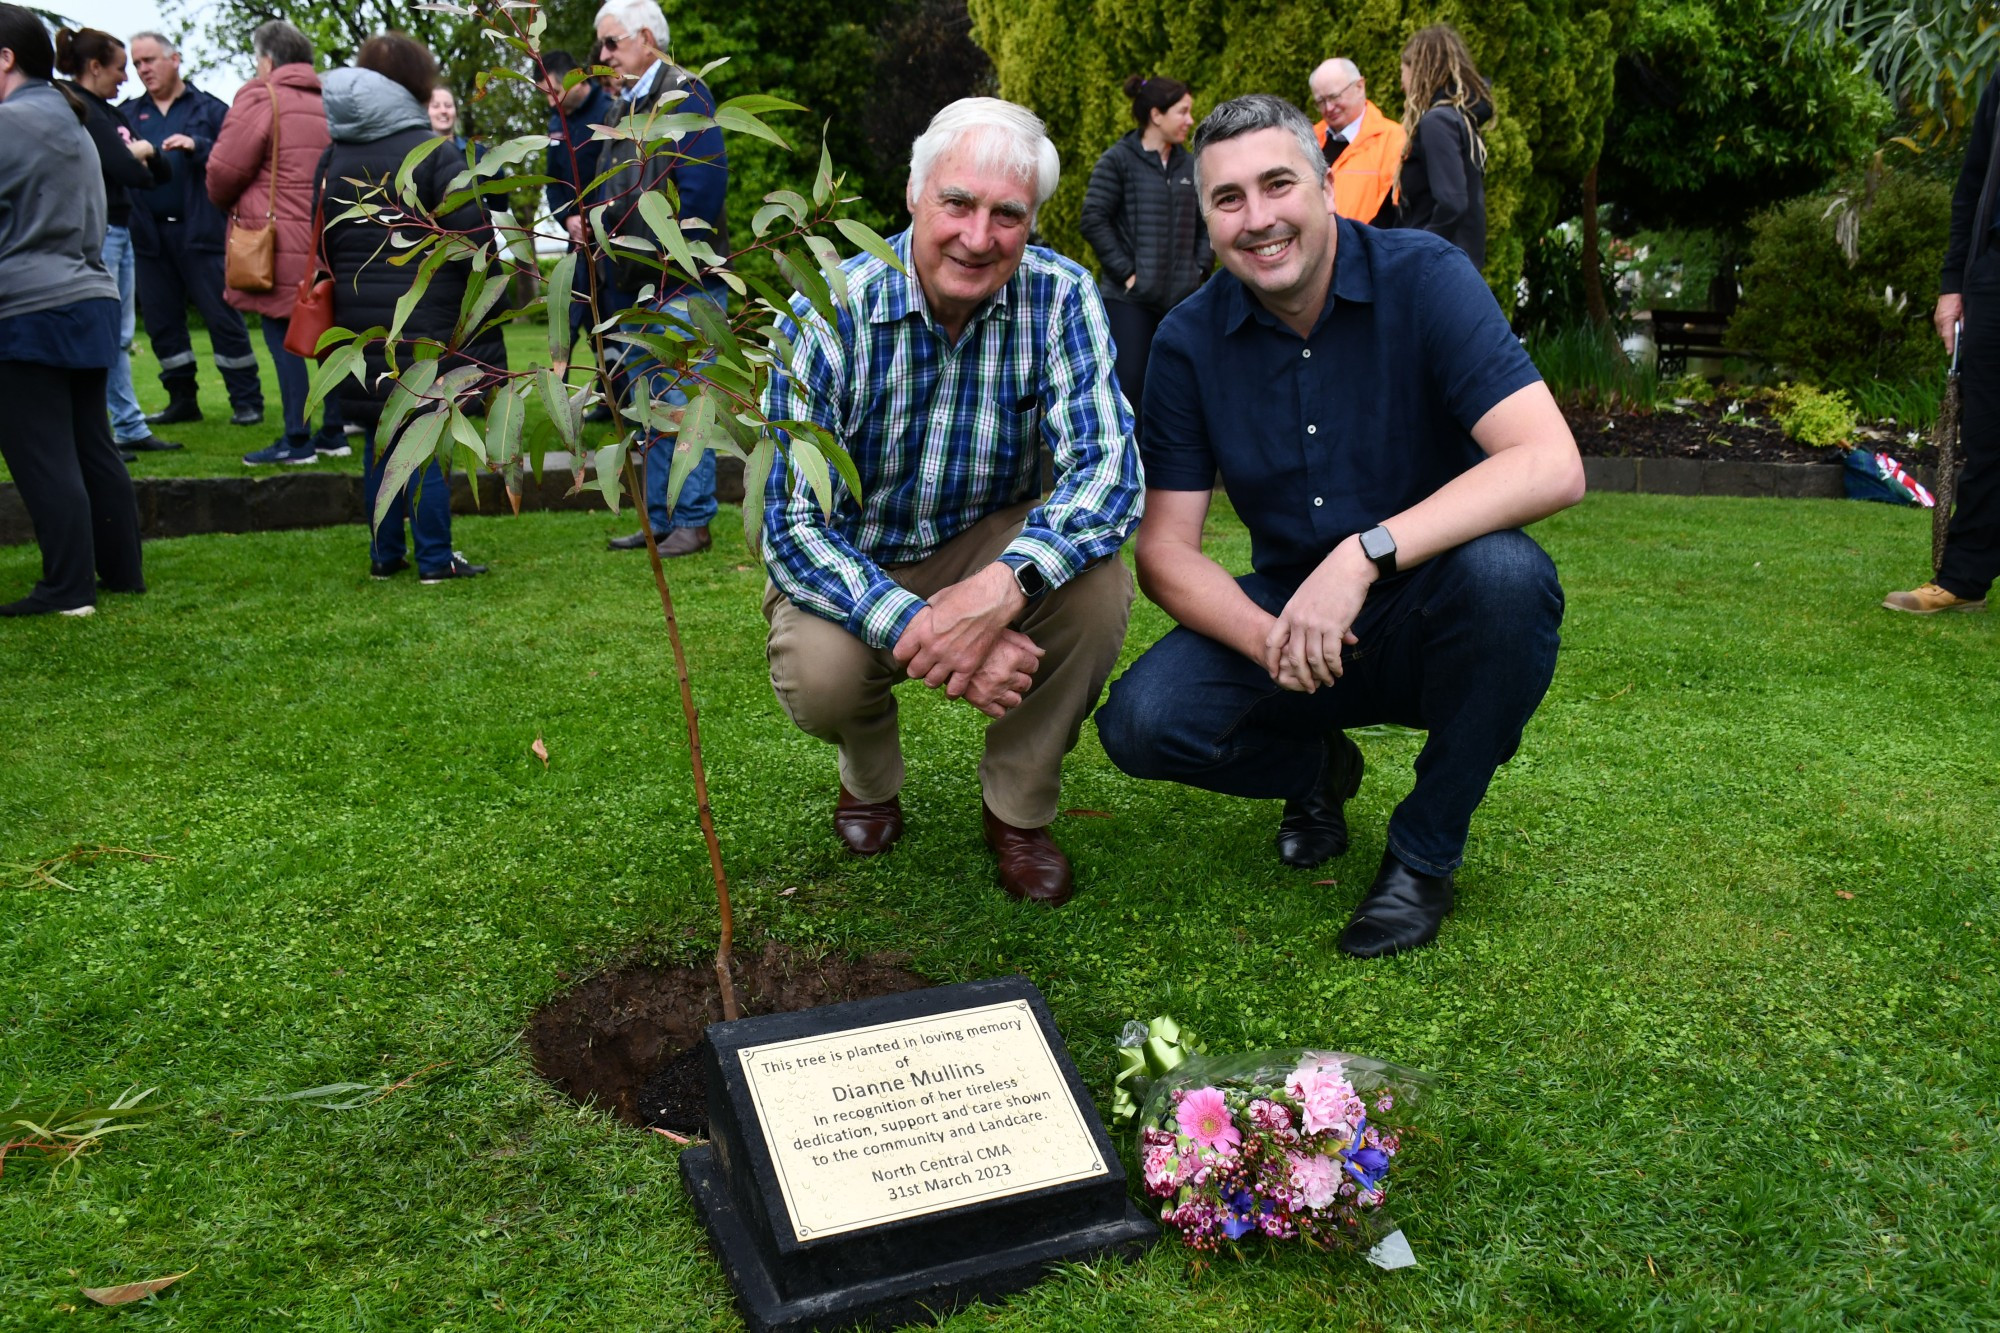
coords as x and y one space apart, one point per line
1363 146
633 37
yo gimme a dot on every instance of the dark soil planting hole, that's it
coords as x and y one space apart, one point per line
629 1040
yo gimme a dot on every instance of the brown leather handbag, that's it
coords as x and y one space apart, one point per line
250 257
312 312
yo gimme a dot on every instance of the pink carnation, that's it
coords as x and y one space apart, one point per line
1327 1099
1159 1166
1269 1115
1315 1177
1204 1117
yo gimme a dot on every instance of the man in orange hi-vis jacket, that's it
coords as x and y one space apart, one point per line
1363 146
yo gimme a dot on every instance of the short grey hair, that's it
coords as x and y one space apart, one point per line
1003 135
1247 115
166 42
281 44
1340 67
637 16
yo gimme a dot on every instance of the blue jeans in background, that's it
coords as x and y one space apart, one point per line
128 422
294 383
1463 646
696 506
425 501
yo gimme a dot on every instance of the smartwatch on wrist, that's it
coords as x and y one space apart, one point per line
1034 585
1380 547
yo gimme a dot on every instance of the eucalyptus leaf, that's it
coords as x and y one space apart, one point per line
862 235
558 291
412 450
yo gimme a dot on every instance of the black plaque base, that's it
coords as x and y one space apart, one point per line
919 1297
903 1265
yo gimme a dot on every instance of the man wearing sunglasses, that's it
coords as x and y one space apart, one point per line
1363 146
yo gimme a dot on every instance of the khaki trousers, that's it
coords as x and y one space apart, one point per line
839 689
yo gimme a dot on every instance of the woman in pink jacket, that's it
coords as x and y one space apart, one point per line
242 184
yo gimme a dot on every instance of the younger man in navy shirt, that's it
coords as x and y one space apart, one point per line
1384 438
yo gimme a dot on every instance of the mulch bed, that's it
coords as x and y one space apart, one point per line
1698 431
630 1040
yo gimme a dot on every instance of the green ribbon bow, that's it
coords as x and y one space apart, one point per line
1145 1054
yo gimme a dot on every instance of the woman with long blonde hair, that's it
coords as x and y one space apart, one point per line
1442 186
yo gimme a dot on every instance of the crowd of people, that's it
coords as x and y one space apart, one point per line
1354 385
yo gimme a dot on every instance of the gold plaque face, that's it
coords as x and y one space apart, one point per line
877 1124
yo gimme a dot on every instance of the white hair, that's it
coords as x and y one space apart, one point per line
1340 67
637 16
999 135
166 42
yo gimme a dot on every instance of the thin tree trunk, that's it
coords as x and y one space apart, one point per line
724 956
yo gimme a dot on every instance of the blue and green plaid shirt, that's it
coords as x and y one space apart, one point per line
944 435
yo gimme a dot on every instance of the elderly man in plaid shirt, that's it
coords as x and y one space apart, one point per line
950 567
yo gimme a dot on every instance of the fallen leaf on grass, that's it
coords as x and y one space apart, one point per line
541 751
126 1293
1078 813
668 1133
1318 882
1842 893
786 893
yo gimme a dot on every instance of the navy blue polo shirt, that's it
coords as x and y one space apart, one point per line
1321 437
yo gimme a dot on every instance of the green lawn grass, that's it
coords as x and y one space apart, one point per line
214 448
1715 1019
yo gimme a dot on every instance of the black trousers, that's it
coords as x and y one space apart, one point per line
1972 546
1132 330
56 438
167 282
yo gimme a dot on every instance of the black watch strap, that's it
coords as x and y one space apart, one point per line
1380 547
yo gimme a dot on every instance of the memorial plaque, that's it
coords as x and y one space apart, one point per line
882 1161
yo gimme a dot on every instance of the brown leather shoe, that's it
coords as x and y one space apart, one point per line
684 541
1929 600
868 828
1032 867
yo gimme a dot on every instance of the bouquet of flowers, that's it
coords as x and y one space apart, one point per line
1294 1145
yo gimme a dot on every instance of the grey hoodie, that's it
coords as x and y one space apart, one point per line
363 106
51 206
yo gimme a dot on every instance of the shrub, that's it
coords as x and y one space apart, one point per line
1819 317
1693 387
1582 368
1815 417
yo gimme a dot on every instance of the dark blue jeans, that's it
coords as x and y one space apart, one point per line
695 506
425 501
1462 646
294 383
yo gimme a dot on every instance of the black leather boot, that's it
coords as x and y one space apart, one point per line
181 405
1315 829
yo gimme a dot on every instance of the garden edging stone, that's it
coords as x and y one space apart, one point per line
196 506
199 506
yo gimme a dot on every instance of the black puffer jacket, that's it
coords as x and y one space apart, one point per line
1443 190
375 123
1142 217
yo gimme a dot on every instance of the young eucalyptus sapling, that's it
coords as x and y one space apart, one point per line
718 356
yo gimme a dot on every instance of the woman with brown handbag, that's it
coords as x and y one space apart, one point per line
261 173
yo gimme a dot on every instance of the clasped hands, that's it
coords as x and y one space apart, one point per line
1301 649
961 642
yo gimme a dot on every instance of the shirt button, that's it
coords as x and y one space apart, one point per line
1312 430
1317 502
1307 353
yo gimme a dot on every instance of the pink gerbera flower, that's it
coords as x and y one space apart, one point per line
1205 1118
